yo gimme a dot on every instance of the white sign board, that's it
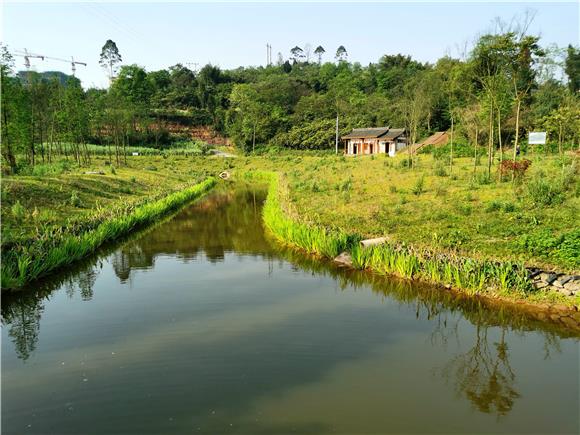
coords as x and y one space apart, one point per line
135 154
537 138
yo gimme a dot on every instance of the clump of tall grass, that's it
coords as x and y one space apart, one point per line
419 186
447 269
23 264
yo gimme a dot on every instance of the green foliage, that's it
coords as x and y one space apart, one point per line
545 244
319 134
544 192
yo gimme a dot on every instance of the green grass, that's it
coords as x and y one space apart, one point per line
314 239
507 279
465 216
25 263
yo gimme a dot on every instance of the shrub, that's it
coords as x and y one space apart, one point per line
515 168
393 189
113 170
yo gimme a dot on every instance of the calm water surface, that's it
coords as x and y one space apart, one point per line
202 324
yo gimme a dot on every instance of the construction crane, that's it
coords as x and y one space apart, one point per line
27 56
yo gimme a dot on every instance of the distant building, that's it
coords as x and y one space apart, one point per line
379 140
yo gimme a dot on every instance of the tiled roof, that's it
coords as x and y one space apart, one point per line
373 133
360 133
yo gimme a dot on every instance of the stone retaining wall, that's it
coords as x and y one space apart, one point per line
568 285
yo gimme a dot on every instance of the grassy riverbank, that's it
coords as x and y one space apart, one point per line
505 279
456 212
51 251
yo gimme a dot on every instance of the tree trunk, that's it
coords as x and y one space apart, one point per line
499 135
490 143
451 143
516 141
7 148
560 139
475 149
254 139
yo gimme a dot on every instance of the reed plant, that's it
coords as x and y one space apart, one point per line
25 263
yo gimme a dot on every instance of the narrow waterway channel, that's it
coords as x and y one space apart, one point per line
202 324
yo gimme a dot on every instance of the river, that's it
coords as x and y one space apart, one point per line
202 324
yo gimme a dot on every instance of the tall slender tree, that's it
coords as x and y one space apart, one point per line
319 51
110 58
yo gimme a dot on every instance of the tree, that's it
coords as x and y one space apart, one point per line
319 51
10 94
132 83
297 54
564 122
522 53
341 54
572 68
110 58
415 106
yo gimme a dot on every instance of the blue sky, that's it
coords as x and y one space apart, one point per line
231 34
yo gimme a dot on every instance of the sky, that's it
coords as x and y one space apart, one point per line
230 34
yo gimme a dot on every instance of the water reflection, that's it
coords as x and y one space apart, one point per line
478 364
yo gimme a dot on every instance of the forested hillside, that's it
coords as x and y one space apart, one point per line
506 82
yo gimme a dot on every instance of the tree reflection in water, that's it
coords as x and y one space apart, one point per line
484 375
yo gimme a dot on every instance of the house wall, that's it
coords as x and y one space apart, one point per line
363 146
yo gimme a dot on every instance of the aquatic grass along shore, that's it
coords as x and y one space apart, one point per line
25 263
506 280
